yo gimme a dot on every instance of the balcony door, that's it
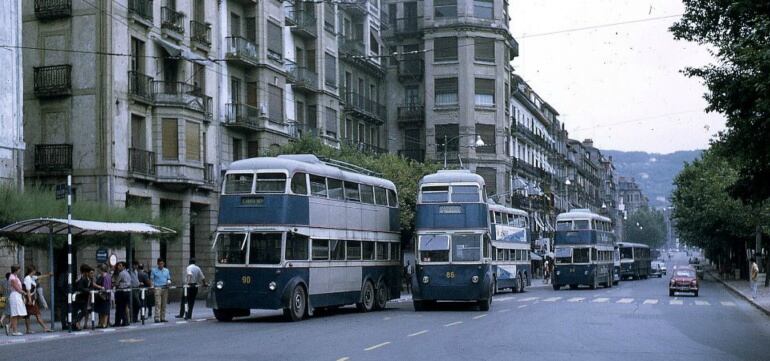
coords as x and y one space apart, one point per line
412 96
410 16
235 24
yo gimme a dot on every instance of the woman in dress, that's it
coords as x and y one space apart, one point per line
30 285
16 300
102 306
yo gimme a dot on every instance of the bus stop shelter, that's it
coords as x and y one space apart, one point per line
58 226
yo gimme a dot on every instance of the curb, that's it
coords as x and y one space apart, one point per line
732 289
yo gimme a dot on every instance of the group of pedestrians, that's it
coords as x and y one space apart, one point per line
97 290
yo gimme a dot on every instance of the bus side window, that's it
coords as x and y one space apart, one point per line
594 256
380 196
320 250
299 183
395 252
392 199
367 193
487 246
318 186
335 189
354 250
382 251
337 250
367 250
492 217
296 247
351 192
505 219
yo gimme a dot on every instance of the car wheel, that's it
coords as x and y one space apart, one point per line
696 293
670 293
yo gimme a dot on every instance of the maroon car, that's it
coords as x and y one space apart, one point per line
683 280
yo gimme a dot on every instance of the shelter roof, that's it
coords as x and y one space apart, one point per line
81 227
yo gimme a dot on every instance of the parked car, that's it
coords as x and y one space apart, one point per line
698 270
657 268
683 280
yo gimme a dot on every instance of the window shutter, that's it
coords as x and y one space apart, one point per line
484 49
192 141
331 121
275 107
446 91
331 70
445 49
274 40
170 134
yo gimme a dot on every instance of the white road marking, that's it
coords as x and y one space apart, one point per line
200 320
625 300
417 333
504 310
551 299
181 322
650 302
702 303
528 299
386 318
131 327
728 303
480 316
676 302
600 300
343 359
50 337
108 330
522 306
453 324
131 340
377 346
576 299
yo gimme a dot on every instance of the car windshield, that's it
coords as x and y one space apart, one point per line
683 273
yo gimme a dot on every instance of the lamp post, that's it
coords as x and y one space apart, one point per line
566 192
479 142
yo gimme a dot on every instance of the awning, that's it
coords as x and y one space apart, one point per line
535 257
176 51
82 228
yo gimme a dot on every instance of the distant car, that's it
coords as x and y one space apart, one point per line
698 270
657 268
694 260
683 280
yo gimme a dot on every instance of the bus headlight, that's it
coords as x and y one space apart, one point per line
475 279
220 285
271 285
585 273
558 273
425 279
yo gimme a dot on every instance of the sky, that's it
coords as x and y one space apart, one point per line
619 85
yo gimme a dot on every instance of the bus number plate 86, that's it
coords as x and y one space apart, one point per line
450 275
246 280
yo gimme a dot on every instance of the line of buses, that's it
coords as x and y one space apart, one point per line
299 234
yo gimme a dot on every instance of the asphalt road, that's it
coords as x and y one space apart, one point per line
634 321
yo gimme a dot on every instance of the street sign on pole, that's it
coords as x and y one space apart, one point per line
101 255
61 191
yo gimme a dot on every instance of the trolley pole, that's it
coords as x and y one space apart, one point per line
69 251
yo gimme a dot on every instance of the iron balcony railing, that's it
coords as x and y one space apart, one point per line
304 24
53 80
405 27
351 46
171 19
140 86
242 115
410 69
200 32
52 9
241 49
364 147
303 78
141 161
411 112
355 7
208 173
141 8
414 154
177 93
53 157
362 104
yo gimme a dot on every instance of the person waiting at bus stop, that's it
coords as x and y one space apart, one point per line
122 295
161 278
194 278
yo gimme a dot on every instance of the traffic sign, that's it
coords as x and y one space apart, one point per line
61 191
101 255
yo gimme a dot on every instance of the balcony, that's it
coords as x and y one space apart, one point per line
179 94
173 20
302 78
411 114
363 147
200 33
530 136
141 9
364 107
238 115
52 9
53 81
351 46
141 162
53 157
359 8
413 154
411 69
404 28
241 51
140 87
305 24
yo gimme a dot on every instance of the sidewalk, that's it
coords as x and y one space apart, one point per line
742 288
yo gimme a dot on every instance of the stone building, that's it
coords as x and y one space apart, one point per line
632 195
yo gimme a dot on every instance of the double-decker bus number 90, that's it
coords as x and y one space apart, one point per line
450 275
246 280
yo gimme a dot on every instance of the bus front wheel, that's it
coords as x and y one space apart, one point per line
556 287
367 298
223 315
297 306
520 282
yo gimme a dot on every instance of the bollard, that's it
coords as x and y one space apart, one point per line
184 300
143 309
93 309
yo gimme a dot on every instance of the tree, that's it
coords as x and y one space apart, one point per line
645 226
738 33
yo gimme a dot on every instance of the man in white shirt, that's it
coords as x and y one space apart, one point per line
194 278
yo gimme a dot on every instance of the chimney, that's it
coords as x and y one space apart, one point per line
589 143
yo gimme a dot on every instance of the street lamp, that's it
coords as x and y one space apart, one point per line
479 142
566 192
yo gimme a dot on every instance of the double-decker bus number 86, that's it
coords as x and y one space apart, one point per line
246 280
450 274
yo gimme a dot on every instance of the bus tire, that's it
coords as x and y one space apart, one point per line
297 307
223 315
594 284
556 287
526 281
573 286
520 282
419 305
609 281
382 296
367 298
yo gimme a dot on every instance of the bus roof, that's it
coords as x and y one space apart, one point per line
581 213
629 244
452 176
307 163
501 208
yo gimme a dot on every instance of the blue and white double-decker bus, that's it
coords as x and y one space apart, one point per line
298 234
510 247
584 245
453 261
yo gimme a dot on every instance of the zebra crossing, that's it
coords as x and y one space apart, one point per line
676 301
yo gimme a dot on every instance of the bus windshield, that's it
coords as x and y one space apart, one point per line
563 255
231 248
265 248
581 255
271 183
626 253
435 194
582 224
466 247
563 225
434 248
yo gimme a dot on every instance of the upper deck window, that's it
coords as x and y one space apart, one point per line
271 183
435 194
265 248
582 224
299 183
318 186
492 217
505 218
392 199
335 188
351 192
367 193
465 194
564 225
231 248
380 196
238 183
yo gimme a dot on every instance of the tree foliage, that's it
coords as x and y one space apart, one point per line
738 35
404 173
645 226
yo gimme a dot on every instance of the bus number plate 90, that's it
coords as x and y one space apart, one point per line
450 275
246 280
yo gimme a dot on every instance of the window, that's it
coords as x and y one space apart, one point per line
434 248
382 251
231 248
265 248
237 149
484 49
170 134
435 194
274 41
465 194
487 134
337 250
354 250
626 253
483 8
335 188
581 224
367 250
392 198
380 196
485 92
447 133
367 194
329 17
490 178
330 63
395 252
580 255
446 91
564 225
445 49
192 141
296 247
594 256
238 183
137 55
318 186
320 250
271 183
275 106
331 122
299 184
351 192
445 8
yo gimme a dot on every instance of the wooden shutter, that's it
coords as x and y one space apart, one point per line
192 141
170 135
445 49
